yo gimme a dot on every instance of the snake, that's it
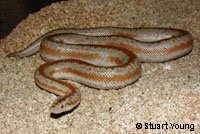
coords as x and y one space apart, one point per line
101 58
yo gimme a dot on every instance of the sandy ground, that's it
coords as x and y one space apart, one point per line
167 94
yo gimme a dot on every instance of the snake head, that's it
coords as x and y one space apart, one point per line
65 103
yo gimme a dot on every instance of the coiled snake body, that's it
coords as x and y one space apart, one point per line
105 58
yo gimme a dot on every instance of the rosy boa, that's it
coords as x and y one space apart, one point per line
104 58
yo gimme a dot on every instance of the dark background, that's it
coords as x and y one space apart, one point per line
13 11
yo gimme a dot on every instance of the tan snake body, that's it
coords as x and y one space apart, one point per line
104 58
